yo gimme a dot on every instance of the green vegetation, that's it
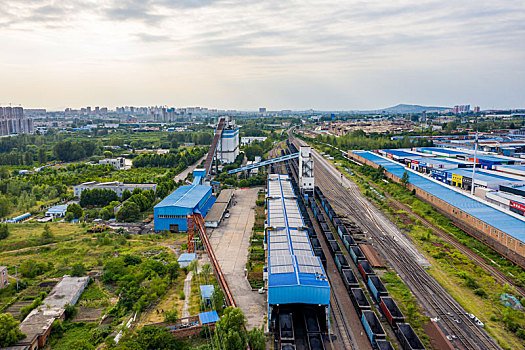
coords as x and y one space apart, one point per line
256 257
359 140
178 160
9 332
407 304
97 197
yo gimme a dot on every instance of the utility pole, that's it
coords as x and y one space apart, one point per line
475 158
16 276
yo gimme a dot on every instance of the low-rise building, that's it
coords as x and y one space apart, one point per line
57 211
38 324
117 163
115 186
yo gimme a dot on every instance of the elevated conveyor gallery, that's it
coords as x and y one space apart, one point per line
265 162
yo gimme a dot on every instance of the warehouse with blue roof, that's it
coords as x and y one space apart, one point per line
295 275
505 232
172 212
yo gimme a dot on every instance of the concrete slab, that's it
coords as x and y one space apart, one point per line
230 242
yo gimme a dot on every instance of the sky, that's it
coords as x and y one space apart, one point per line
246 54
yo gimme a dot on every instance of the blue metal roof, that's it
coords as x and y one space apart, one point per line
482 175
494 217
439 150
208 317
207 291
58 209
186 257
401 153
295 275
185 196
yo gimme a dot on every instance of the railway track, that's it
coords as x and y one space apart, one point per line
500 276
464 332
339 317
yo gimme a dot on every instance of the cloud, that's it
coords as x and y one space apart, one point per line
150 38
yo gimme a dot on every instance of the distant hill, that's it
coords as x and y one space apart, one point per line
404 109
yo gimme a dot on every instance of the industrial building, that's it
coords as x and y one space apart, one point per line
503 231
228 145
172 212
463 178
295 275
115 186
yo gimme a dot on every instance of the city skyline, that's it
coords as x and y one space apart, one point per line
281 55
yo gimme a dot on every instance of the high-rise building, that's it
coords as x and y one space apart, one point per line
461 109
13 121
262 110
477 109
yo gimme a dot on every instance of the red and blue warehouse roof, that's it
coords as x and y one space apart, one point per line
295 273
496 218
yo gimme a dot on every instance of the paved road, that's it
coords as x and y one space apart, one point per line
230 242
187 295
189 169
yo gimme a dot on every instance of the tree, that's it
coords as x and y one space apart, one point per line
129 212
405 179
155 338
171 316
206 271
47 234
76 210
173 270
78 270
105 214
257 339
4 231
125 195
229 330
9 331
218 300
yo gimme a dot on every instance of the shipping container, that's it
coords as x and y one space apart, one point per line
373 328
365 269
359 300
391 311
408 338
349 279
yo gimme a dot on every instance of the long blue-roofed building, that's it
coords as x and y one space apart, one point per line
295 274
172 212
503 231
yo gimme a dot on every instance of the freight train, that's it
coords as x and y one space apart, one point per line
348 232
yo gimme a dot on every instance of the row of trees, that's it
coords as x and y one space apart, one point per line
68 151
360 140
97 197
178 160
